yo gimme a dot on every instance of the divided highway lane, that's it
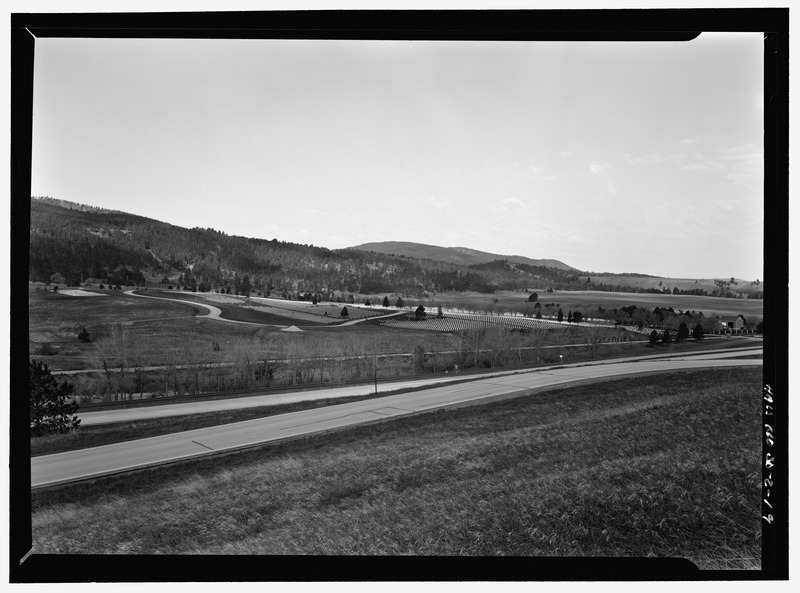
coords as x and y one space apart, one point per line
87 463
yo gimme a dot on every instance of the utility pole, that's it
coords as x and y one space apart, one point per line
375 369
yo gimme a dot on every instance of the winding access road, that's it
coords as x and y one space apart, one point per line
84 464
213 312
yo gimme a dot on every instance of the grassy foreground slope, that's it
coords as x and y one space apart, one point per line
666 465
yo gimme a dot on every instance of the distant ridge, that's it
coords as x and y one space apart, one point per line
77 207
463 256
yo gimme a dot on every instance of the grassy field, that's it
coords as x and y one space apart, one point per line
160 328
750 308
661 466
657 282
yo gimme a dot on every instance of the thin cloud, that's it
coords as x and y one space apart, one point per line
532 172
644 159
513 201
695 140
599 168
439 203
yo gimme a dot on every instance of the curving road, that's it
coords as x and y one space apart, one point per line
88 463
213 312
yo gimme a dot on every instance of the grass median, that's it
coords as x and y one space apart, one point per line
656 466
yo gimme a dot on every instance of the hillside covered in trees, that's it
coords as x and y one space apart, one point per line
71 243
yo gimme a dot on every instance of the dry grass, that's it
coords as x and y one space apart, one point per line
644 466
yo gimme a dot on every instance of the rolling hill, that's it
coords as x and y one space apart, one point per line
71 243
462 256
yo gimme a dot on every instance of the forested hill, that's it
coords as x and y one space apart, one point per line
455 255
71 243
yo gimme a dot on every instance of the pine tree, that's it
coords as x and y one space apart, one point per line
51 407
83 336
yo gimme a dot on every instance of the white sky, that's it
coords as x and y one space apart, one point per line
619 157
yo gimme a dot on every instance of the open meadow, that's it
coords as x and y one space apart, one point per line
583 300
661 466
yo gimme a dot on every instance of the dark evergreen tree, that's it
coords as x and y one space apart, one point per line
667 337
569 316
51 409
653 337
697 332
344 313
560 315
683 332
420 313
83 336
399 304
386 301
533 298
246 286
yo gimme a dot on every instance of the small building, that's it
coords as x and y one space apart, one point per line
730 324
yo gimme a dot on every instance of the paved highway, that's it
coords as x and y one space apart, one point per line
252 401
109 459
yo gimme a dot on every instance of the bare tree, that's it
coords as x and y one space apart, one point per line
111 354
592 338
469 342
499 339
